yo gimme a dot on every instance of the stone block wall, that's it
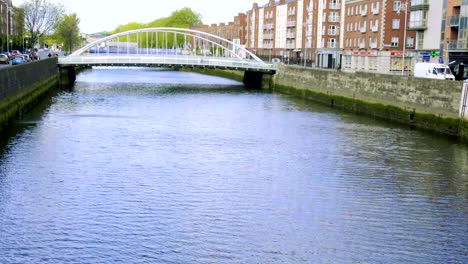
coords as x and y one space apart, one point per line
437 97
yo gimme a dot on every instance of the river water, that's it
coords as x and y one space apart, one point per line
151 166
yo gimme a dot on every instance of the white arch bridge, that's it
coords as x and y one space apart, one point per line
169 48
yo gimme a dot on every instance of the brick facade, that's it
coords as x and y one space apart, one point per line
386 36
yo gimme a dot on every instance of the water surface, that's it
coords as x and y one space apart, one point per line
150 166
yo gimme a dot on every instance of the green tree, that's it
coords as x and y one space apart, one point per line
41 17
183 18
68 31
19 21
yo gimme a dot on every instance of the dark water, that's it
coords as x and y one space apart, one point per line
133 168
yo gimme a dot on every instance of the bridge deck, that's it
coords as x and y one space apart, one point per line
168 61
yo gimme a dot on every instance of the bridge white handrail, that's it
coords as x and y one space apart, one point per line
190 61
203 36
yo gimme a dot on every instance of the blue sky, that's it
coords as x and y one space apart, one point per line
100 15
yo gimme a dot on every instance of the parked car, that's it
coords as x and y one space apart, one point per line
25 57
15 52
18 60
8 54
4 59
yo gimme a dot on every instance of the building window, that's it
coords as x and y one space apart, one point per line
397 5
396 24
409 42
420 38
394 41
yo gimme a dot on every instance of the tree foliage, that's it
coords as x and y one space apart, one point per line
41 17
183 18
19 21
68 31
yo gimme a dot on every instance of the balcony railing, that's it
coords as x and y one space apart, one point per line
333 32
268 26
364 12
418 24
419 5
290 46
333 18
267 36
291 23
362 45
375 9
454 21
375 28
457 45
290 35
334 6
268 46
373 45
332 45
363 29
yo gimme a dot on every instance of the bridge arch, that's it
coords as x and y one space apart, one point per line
182 39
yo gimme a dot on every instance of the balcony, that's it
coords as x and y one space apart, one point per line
418 25
364 12
291 35
362 45
375 9
419 5
334 6
334 19
268 46
291 23
457 45
374 28
290 46
454 21
268 26
267 36
333 32
363 29
373 45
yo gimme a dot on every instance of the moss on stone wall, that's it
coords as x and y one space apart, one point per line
14 106
452 127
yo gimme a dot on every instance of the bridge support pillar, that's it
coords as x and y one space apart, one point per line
253 80
67 76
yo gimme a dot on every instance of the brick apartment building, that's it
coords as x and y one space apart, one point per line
377 37
454 41
386 36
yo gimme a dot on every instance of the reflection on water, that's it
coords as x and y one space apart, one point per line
148 166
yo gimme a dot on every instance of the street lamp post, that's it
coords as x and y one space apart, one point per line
11 44
403 6
8 24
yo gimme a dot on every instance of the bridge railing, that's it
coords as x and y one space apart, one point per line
196 61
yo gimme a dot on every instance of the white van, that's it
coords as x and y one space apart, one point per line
433 71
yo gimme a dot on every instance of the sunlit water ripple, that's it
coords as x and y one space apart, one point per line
148 166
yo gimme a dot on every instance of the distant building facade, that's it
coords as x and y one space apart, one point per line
6 17
386 36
